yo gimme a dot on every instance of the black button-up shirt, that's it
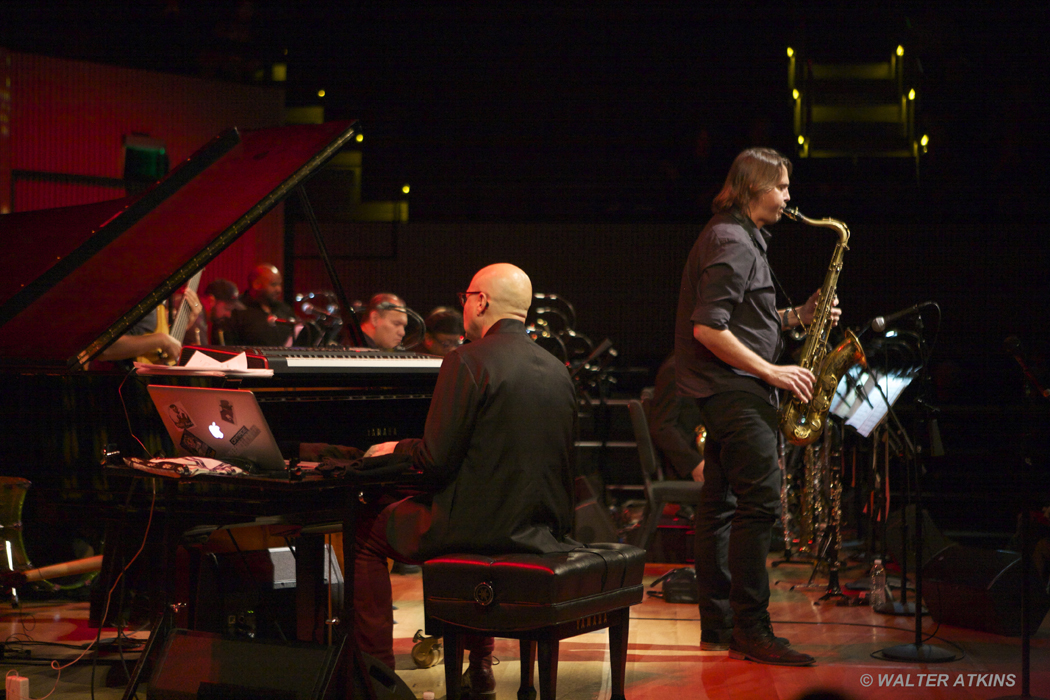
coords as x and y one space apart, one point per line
727 285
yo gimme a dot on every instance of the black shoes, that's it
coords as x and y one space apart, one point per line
715 639
758 644
719 639
478 683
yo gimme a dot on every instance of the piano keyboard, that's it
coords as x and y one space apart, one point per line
330 359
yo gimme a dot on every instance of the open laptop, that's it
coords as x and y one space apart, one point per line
225 424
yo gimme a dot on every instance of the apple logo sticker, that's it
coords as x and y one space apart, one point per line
216 431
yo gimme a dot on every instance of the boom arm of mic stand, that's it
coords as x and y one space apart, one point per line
354 327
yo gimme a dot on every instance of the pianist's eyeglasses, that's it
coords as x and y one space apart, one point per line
463 296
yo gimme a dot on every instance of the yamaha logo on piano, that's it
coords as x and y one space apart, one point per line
382 432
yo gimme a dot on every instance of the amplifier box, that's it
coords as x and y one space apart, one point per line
253 595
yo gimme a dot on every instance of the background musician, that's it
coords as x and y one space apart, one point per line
265 319
444 332
727 339
220 298
150 336
673 421
385 321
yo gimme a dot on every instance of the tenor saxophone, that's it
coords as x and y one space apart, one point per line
802 422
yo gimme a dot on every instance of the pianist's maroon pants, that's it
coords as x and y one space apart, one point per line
373 600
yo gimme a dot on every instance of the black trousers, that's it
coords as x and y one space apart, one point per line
739 504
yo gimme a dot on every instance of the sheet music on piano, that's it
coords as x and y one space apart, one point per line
859 401
202 365
332 359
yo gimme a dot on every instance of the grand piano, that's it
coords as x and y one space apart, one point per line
75 279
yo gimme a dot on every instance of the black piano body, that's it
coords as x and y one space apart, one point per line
72 280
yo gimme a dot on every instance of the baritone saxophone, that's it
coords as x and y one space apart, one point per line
802 422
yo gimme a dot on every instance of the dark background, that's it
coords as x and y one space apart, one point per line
509 116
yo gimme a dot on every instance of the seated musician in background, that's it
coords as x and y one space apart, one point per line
498 444
149 338
385 321
673 421
220 298
265 319
444 332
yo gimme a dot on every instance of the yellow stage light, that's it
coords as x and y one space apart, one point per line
801 140
795 94
925 141
359 138
404 189
911 94
320 93
791 52
900 50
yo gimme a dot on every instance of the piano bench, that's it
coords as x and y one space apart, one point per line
538 599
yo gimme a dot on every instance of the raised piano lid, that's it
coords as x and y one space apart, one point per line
72 280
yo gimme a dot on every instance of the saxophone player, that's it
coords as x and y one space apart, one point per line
727 341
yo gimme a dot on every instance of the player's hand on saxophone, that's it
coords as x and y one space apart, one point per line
797 380
808 310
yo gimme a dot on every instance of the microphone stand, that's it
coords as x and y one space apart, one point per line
917 651
1031 385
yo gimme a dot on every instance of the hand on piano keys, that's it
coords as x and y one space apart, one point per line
383 448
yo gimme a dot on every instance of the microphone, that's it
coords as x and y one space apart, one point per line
880 323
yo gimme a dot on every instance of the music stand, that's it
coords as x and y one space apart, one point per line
863 398
916 651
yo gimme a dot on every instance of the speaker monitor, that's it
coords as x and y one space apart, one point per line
252 594
981 589
199 664
204 666
932 539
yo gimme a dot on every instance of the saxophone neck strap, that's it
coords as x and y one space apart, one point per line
753 234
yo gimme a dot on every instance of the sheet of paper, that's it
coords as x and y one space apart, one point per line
201 364
200 360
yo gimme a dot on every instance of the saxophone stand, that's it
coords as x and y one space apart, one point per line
916 652
834 532
1032 387
826 544
832 535
785 511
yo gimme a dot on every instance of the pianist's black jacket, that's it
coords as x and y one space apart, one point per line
499 437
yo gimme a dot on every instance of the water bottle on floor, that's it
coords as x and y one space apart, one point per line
879 593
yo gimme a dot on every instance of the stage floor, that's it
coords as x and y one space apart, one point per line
664 661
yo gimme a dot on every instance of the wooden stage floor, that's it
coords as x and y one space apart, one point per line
664 661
